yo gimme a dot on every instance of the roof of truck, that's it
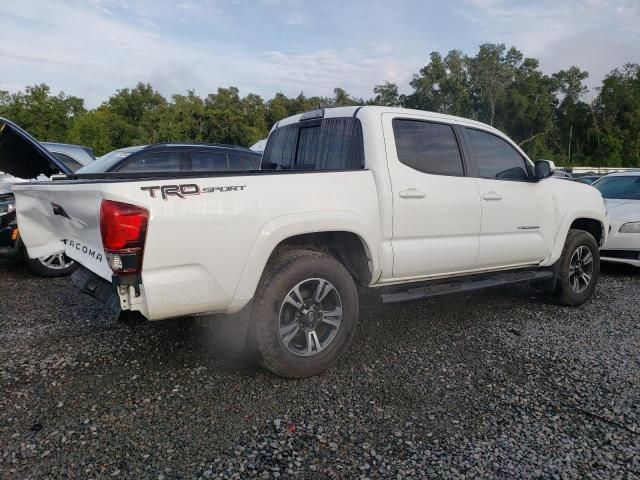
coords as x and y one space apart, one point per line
375 109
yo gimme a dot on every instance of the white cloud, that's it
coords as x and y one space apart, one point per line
595 35
91 49
89 54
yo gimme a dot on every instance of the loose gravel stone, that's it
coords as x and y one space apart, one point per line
498 384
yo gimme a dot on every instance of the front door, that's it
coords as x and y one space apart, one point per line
517 213
436 208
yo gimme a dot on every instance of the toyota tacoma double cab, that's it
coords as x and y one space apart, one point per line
410 204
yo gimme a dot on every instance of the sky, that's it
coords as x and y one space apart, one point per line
91 48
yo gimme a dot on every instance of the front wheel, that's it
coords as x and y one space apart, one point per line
579 268
305 314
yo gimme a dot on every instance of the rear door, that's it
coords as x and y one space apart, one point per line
436 207
517 212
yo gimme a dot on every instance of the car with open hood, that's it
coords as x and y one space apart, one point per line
22 158
22 161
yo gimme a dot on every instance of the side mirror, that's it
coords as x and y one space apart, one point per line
544 169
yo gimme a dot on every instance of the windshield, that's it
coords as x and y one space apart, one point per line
109 160
622 187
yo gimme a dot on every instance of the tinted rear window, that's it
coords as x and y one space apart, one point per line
327 144
428 147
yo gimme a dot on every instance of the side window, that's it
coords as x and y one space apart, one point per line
69 162
428 147
163 161
208 161
496 158
252 162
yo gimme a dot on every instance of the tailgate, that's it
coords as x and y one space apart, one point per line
53 218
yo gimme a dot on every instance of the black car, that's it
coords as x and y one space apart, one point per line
176 158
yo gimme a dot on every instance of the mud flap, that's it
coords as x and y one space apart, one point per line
549 285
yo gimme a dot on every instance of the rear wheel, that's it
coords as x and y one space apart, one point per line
305 314
579 268
58 265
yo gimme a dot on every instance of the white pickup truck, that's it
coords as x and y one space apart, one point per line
411 203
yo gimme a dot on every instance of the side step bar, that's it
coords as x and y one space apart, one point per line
467 285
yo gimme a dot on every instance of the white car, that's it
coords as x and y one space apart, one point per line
621 193
410 203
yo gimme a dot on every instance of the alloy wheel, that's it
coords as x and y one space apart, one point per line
310 316
581 269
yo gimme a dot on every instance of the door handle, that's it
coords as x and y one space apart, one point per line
412 193
492 196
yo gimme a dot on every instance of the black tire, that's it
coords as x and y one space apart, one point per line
565 291
37 266
295 269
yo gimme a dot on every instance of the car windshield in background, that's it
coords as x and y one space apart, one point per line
621 188
108 160
323 144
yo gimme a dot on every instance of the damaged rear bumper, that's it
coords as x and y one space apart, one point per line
97 287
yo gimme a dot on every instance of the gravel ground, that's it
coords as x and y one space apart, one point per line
495 384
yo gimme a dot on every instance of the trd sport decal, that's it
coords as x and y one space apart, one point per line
187 189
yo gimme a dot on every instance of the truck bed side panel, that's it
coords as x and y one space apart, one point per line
200 245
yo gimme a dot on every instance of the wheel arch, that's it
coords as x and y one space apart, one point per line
595 223
342 235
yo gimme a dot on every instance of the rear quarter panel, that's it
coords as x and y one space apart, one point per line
207 252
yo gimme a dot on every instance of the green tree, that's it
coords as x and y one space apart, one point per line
131 104
93 129
492 71
618 109
387 94
572 116
527 109
47 117
442 85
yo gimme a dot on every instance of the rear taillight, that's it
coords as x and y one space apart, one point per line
124 229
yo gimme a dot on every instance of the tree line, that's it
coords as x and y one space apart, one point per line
549 116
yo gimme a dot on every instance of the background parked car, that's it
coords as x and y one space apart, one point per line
176 158
588 179
621 193
562 174
73 157
157 158
259 146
